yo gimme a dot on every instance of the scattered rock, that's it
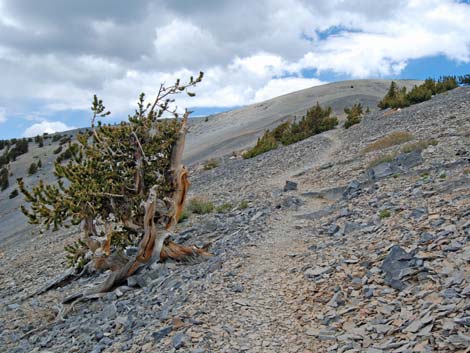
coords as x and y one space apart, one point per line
290 186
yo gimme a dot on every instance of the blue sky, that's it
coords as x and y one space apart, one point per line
55 55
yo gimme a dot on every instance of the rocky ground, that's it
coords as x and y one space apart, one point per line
346 258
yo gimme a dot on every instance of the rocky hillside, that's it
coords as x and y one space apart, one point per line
238 129
320 247
220 135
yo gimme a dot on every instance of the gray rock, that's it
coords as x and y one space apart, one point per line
109 312
157 336
425 237
290 202
337 300
13 306
237 288
290 186
464 321
396 265
352 189
408 160
344 212
419 212
368 292
179 340
106 341
333 229
258 214
380 171
136 281
317 271
449 293
437 222
350 227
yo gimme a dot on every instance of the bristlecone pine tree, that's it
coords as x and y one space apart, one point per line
125 185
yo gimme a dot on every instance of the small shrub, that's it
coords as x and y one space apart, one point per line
3 179
39 140
199 206
392 139
67 154
315 121
56 137
464 79
243 205
33 168
211 164
39 164
384 214
381 159
226 207
13 194
354 115
399 98
184 216
395 98
65 139
265 143
58 150
418 146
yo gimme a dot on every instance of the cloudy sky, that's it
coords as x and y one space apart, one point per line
55 54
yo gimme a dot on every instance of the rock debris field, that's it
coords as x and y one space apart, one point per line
321 251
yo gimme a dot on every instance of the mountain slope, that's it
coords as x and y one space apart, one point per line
222 134
357 258
239 129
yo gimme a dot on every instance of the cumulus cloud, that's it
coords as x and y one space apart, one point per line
58 54
46 126
3 116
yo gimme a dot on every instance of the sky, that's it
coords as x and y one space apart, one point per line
55 54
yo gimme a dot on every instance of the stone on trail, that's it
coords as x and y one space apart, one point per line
290 186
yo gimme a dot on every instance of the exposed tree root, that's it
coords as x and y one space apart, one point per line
179 252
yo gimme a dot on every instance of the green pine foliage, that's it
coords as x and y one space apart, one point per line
464 79
33 168
399 98
315 121
56 137
67 154
353 115
3 178
111 172
265 143
39 140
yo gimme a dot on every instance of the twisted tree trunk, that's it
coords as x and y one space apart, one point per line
154 244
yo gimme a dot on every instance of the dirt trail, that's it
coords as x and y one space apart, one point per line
322 158
259 302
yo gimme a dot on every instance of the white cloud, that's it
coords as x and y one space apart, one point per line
3 116
243 50
383 46
46 126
